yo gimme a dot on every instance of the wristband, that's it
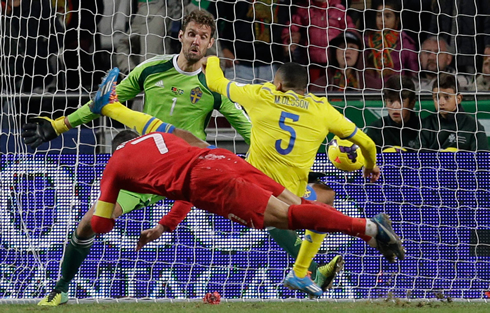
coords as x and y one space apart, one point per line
59 125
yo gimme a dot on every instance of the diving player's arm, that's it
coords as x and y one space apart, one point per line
168 223
176 215
102 221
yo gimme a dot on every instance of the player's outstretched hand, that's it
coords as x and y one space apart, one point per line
372 174
149 235
40 129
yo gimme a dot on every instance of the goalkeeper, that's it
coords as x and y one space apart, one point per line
175 91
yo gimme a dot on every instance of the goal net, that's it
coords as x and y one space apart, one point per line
54 54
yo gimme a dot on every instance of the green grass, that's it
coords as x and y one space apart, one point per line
269 307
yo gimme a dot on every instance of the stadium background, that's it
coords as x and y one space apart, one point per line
439 203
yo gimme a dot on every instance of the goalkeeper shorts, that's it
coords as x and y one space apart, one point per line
130 201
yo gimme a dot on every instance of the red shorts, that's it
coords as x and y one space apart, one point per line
225 184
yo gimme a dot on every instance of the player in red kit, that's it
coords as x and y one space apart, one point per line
215 180
218 181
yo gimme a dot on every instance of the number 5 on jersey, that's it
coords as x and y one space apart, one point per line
289 129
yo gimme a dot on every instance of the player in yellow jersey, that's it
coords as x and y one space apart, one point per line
288 128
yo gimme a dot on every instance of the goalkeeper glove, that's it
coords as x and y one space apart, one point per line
42 129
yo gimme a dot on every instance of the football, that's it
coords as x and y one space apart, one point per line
345 155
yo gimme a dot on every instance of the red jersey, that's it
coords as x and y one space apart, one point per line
157 163
215 180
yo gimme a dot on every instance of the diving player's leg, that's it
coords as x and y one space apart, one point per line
323 218
313 240
276 215
289 240
377 231
82 239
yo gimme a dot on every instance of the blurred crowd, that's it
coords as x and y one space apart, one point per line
352 45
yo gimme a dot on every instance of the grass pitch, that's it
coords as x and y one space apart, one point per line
269 307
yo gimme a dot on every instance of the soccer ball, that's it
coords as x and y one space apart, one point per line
345 155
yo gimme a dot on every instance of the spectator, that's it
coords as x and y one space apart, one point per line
483 80
400 128
313 26
31 40
450 127
435 56
486 23
112 28
248 31
389 50
415 18
345 64
149 33
81 24
462 25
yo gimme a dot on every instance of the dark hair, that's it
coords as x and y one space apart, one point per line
349 36
399 87
200 17
122 137
370 14
446 81
396 5
293 76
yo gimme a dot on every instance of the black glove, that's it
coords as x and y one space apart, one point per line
41 129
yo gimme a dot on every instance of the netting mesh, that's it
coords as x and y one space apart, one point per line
54 54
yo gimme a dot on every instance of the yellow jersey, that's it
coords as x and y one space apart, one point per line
287 128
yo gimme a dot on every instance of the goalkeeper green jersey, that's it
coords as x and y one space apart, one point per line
174 96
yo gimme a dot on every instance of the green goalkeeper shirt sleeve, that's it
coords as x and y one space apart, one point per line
81 116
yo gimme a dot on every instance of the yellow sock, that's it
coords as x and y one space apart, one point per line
141 122
307 252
